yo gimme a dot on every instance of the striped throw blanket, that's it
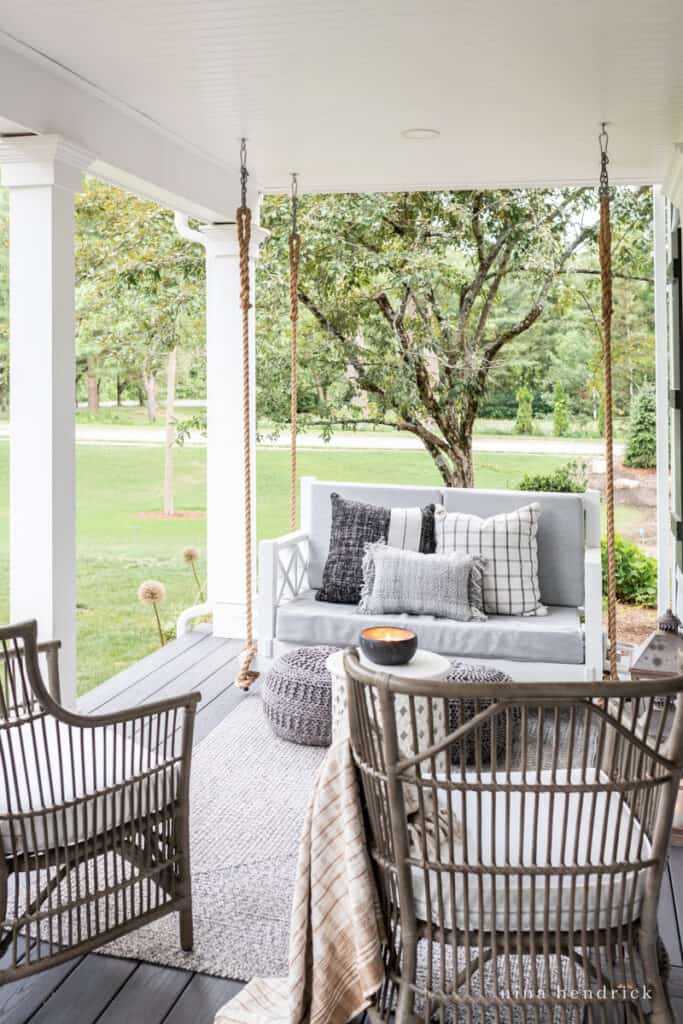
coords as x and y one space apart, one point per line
335 963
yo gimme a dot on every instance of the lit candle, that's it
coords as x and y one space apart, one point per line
388 634
388 645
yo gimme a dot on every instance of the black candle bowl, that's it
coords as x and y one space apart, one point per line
388 645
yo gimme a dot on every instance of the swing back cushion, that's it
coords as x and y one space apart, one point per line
561 529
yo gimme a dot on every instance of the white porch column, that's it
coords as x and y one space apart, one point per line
42 174
225 434
665 596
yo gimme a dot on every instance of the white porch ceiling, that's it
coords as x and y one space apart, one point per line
517 90
8 127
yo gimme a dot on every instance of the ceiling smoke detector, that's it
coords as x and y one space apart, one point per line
420 134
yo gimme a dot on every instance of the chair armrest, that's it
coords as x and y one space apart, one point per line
283 574
287 540
187 702
594 633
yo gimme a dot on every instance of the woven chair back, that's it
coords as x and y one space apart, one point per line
518 833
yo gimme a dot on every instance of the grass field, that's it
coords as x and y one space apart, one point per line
117 549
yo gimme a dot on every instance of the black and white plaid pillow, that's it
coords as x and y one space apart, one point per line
509 544
355 524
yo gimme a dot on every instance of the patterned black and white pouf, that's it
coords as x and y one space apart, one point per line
297 696
462 672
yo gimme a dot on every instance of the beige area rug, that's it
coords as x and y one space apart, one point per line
248 802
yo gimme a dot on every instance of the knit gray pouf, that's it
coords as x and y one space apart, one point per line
461 672
297 696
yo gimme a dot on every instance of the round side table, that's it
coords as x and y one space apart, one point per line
424 665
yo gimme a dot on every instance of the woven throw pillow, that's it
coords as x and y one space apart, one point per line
355 524
509 545
395 582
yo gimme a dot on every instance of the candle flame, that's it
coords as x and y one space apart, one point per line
388 634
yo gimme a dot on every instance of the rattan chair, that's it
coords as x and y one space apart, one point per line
94 815
525 889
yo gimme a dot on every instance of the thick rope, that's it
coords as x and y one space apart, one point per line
246 675
294 253
605 245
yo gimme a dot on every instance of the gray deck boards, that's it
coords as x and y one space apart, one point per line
98 989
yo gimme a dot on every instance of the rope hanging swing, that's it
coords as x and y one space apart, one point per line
294 255
605 248
247 675
243 219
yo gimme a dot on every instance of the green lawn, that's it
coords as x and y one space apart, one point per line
117 549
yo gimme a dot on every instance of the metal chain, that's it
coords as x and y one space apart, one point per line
244 173
294 257
605 247
295 202
243 218
603 140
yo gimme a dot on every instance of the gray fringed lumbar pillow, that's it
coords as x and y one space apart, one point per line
355 524
395 581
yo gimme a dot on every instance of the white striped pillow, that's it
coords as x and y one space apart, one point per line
509 545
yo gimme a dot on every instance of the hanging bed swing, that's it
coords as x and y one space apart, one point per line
296 567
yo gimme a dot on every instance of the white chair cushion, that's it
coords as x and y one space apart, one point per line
503 822
47 765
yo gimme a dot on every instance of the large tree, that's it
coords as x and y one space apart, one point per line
140 296
139 287
419 294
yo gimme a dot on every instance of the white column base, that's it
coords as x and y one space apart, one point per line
229 620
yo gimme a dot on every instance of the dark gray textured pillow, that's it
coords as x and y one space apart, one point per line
356 524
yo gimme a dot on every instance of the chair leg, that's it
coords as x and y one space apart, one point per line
185 882
186 929
653 954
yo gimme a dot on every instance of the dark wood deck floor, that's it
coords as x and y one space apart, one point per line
108 990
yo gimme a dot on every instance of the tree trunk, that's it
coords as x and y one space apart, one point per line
455 466
93 389
169 507
149 380
458 471
119 390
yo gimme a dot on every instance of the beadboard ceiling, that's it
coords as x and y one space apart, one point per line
325 87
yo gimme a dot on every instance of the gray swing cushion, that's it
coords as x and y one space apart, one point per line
297 696
459 711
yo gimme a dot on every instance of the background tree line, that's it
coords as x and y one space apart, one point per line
423 311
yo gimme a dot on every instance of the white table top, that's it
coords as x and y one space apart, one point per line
424 665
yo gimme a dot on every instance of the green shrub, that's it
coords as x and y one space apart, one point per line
570 478
524 424
641 446
560 413
636 574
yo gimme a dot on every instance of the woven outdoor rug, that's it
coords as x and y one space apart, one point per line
248 802
249 793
